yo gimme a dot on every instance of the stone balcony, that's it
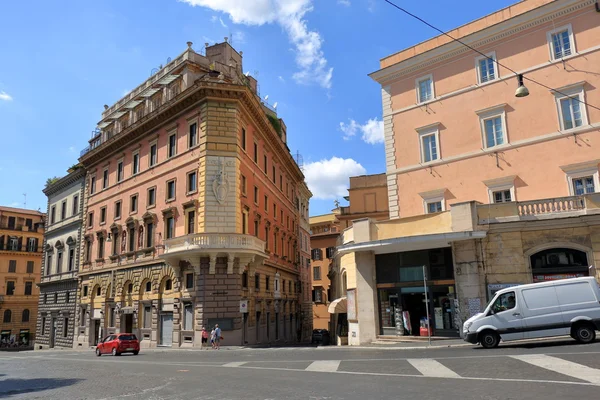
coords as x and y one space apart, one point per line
541 209
239 249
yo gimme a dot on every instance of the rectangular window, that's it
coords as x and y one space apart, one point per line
561 42
10 288
135 164
100 249
257 282
245 222
53 214
243 139
103 215
12 266
494 131
486 68
188 321
48 264
28 288
281 182
63 210
71 265
90 220
266 203
274 211
245 280
119 171
152 197
255 195
66 327
117 209
502 196
193 135
256 227
85 291
171 190
317 273
265 162
583 185
243 185
30 267
170 227
147 317
425 90
153 154
149 234
267 283
273 171
191 222
172 146
255 153
317 295
133 206
189 281
105 179
192 182
75 204
570 109
93 185
434 207
131 233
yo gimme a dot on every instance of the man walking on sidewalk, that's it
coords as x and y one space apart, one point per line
217 337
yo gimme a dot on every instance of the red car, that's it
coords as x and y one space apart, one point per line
118 344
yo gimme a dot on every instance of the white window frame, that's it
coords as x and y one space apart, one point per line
492 113
418 88
478 69
429 130
500 185
549 34
433 196
581 170
570 91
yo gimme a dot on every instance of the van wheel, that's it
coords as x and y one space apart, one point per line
489 339
584 333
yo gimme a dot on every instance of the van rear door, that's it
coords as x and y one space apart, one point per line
543 313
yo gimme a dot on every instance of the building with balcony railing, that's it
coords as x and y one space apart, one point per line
191 211
486 189
57 308
21 238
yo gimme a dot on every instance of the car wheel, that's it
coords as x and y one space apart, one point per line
489 339
584 333
98 353
115 352
135 353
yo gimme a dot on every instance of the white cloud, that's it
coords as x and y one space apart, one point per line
239 37
372 130
329 179
290 15
344 2
72 149
281 79
5 96
214 18
222 23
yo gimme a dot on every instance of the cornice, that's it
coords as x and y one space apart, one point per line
506 28
65 182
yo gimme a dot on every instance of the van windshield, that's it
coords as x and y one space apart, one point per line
505 301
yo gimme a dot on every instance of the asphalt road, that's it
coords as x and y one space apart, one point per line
555 370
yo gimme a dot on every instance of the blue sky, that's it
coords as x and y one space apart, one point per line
61 61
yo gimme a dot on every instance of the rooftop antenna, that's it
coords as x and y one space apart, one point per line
266 97
299 160
275 105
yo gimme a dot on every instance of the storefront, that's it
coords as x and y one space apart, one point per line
559 263
401 292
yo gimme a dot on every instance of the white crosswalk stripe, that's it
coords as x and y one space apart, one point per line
324 366
432 368
561 366
235 364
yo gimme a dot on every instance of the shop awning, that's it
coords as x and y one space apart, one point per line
338 306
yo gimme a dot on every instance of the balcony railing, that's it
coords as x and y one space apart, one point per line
214 241
551 206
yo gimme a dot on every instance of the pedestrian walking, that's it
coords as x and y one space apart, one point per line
218 336
204 337
212 338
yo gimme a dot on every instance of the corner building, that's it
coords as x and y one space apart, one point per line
192 211
486 189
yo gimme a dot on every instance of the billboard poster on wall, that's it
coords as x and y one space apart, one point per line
494 287
351 304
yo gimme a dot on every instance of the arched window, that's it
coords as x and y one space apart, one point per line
25 317
559 263
7 316
168 285
148 286
130 288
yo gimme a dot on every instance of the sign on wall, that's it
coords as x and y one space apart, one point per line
351 304
244 306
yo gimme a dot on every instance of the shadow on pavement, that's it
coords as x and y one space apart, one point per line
540 345
14 387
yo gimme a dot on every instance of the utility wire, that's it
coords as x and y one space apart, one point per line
487 57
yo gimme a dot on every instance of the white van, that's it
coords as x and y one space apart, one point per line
557 308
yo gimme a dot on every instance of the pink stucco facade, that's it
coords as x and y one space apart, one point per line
539 157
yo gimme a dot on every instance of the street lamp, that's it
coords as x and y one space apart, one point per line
522 90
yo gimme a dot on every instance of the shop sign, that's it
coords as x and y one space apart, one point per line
555 277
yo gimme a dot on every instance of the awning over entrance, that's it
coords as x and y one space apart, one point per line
338 306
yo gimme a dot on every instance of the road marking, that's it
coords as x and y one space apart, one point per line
561 366
324 366
235 364
432 368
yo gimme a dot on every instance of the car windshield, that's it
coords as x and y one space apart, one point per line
127 337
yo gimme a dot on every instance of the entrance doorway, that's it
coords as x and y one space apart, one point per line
245 329
52 333
166 329
127 324
94 331
257 323
414 303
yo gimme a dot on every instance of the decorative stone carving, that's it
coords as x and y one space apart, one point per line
221 183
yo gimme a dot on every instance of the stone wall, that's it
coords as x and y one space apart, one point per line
61 310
